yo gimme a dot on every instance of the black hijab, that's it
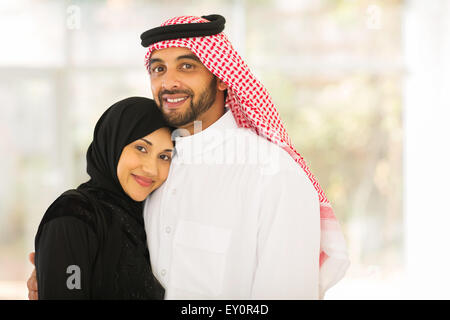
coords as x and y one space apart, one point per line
120 125
122 263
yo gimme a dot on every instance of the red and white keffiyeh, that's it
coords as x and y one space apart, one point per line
252 108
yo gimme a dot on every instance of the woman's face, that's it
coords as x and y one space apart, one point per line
144 164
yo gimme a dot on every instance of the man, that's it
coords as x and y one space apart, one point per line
237 217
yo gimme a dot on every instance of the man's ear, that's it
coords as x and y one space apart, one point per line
222 86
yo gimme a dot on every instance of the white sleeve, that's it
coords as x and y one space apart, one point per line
288 238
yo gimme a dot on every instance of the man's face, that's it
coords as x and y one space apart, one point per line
182 86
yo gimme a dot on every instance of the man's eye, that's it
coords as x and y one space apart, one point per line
158 69
187 66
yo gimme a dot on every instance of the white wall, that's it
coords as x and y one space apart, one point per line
426 148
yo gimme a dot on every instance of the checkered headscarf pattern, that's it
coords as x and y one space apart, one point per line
252 108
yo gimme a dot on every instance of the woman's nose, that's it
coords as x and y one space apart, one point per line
150 168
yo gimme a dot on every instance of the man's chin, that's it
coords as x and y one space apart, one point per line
176 118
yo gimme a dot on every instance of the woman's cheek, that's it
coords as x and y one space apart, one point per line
165 172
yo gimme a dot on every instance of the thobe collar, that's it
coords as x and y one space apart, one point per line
206 140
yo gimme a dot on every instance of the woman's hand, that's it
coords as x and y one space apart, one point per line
32 281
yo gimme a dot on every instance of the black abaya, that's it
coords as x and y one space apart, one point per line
91 242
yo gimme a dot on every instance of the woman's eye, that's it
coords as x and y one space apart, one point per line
141 149
165 157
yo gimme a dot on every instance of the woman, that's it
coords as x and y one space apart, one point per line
91 242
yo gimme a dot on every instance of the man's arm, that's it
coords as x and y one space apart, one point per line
32 282
288 238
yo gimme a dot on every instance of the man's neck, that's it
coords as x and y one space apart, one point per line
206 119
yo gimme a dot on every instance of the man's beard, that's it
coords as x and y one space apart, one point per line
204 103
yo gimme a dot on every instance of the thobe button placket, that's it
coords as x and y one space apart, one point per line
168 229
163 272
174 192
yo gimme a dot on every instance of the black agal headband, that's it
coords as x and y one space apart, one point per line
185 30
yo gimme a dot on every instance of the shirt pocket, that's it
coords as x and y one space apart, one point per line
199 258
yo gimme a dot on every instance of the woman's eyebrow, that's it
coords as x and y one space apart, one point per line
151 144
148 142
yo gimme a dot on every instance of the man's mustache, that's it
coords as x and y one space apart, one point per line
161 93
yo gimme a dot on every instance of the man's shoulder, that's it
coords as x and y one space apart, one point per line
258 139
276 164
267 152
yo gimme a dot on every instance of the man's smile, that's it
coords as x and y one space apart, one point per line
173 101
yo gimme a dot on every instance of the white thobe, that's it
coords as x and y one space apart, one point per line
237 218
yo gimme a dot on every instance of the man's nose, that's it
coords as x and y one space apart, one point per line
170 80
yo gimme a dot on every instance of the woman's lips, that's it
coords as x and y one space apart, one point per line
143 181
